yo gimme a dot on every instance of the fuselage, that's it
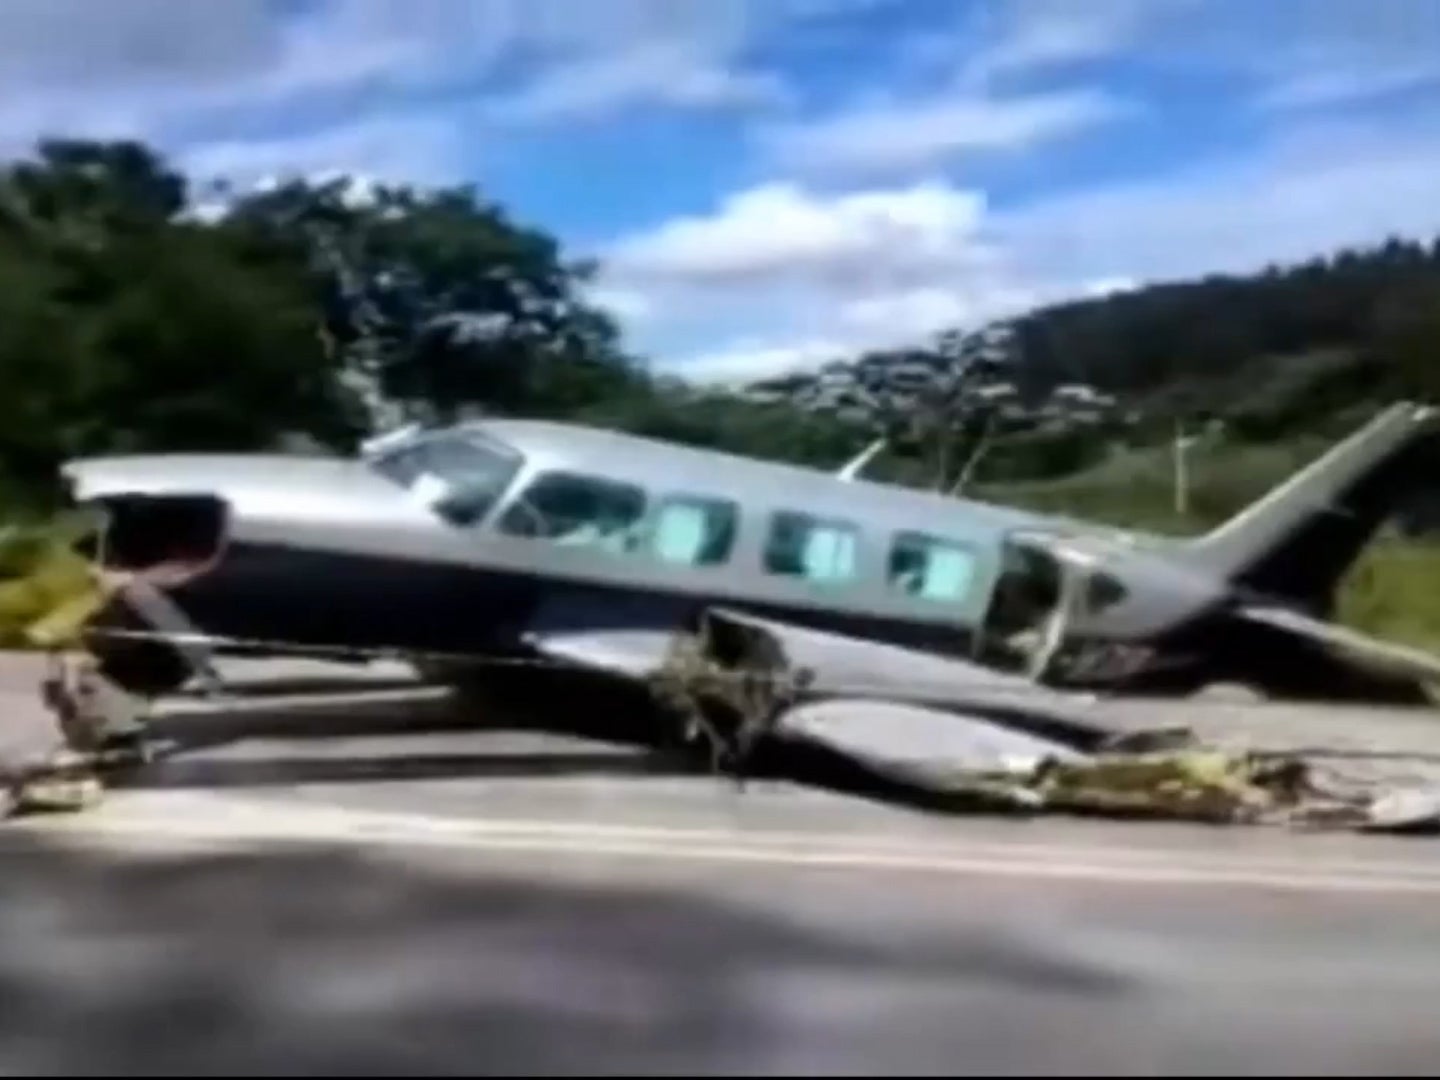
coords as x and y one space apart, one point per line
465 539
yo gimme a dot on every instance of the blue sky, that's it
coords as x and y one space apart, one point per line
777 182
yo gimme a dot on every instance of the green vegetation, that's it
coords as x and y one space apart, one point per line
1135 486
1189 343
130 321
1392 591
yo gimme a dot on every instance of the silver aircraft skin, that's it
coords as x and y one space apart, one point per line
505 536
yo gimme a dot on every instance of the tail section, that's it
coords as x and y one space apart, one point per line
1294 544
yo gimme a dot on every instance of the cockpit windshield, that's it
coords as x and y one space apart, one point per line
459 476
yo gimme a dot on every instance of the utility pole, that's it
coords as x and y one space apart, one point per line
1183 443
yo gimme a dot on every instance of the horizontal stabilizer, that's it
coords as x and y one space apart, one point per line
1371 652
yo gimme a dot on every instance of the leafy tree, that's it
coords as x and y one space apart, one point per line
1406 337
125 327
441 301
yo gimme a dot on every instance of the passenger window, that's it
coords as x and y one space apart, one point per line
693 531
459 477
816 549
577 510
931 568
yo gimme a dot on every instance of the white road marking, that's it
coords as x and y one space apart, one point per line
181 817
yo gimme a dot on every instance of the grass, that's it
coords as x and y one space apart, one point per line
1393 591
1135 488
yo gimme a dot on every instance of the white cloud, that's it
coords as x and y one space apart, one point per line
418 148
1331 86
1033 35
135 66
970 110
930 307
781 276
162 69
907 135
811 276
1320 74
631 305
1302 53
664 72
783 231
1327 187
748 360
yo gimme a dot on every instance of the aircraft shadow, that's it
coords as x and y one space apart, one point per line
351 719
626 741
187 745
177 771
183 761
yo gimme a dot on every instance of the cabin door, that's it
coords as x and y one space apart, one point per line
1024 604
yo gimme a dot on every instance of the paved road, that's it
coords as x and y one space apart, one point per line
407 893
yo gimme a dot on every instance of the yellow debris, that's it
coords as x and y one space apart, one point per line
47 592
1194 784
61 627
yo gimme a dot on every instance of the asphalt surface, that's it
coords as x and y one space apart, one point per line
357 887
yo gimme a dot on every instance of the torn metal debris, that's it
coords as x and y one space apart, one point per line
101 727
66 783
728 683
734 680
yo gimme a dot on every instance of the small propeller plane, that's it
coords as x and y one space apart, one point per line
518 538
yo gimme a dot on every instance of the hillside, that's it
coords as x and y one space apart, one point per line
1136 486
1381 303
1287 351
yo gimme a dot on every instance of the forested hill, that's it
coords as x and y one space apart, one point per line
1309 335
1381 304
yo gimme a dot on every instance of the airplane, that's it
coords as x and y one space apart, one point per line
511 538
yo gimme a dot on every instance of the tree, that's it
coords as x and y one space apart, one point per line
200 350
135 324
125 327
1406 338
439 301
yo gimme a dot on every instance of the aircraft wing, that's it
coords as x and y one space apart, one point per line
630 654
637 642
1364 649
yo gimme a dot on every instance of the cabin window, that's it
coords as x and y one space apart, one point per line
576 510
693 531
931 568
459 477
822 550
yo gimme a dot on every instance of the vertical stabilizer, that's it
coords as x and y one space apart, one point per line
1294 544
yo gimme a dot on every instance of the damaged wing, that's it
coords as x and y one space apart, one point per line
834 664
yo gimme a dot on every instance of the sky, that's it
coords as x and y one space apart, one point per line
775 183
